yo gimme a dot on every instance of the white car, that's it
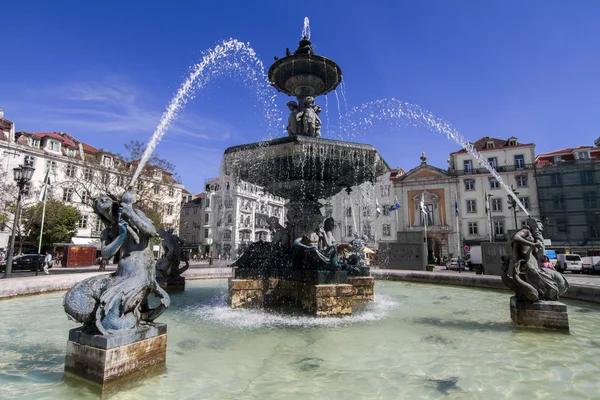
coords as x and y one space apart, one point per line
569 262
454 264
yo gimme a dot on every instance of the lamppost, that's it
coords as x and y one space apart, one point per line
513 205
22 176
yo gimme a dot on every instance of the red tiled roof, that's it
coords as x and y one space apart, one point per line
53 135
480 144
5 124
89 149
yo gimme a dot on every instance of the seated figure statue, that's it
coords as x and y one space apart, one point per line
309 117
117 302
528 280
293 127
168 267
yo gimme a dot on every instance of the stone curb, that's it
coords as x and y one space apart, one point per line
51 283
576 291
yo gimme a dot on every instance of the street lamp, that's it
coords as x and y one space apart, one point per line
22 176
513 205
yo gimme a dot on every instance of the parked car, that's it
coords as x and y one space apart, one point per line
588 264
569 262
454 263
596 268
27 262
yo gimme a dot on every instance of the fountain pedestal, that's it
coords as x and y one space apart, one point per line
320 293
107 358
173 284
539 314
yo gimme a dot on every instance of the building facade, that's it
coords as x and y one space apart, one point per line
78 172
484 209
231 216
569 192
437 189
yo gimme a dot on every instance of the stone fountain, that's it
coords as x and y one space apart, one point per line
302 264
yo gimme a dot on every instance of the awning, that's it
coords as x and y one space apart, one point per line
368 250
86 242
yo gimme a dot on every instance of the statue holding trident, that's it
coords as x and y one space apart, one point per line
118 302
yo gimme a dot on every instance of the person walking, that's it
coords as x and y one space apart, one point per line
47 261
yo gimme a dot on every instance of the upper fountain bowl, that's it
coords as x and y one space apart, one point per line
305 73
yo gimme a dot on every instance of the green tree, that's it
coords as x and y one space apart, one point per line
60 223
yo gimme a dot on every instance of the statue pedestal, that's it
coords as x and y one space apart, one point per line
173 284
539 314
320 293
107 358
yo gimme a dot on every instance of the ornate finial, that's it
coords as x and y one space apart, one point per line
423 158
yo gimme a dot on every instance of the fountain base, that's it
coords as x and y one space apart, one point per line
319 293
175 284
539 314
105 359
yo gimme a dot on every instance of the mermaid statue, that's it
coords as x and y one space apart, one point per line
118 302
530 282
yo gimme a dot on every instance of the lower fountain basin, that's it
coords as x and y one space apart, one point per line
303 167
414 341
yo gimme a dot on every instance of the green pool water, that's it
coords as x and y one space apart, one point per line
415 341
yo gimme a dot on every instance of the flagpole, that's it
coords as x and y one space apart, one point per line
45 196
457 226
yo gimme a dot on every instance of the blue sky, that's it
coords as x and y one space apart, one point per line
105 71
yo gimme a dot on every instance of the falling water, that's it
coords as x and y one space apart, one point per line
233 57
306 28
392 110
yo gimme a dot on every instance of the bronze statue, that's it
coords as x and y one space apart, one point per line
528 280
309 117
293 127
118 302
168 267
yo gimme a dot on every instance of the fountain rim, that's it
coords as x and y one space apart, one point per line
317 59
301 139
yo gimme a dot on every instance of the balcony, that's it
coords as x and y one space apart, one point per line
500 238
479 171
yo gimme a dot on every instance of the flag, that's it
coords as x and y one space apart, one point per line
456 207
45 188
422 205
396 205
487 203
377 208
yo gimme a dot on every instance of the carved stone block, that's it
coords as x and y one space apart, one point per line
539 314
107 358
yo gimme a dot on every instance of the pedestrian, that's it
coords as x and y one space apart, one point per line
546 263
47 261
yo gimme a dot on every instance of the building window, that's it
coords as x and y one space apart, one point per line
469 184
67 194
556 179
34 142
185 238
349 230
473 229
489 145
205 233
84 197
83 222
27 189
497 204
493 161
386 210
120 180
98 225
559 202
105 178
468 166
385 190
88 174
499 227
587 177
170 209
171 192
521 180
71 152
471 206
54 145
207 202
187 211
429 213
156 189
589 200
206 218
50 165
349 212
29 161
70 171
494 184
230 219
387 231
561 225
157 173
106 161
519 161
196 210
583 155
525 202
366 211
557 159
366 229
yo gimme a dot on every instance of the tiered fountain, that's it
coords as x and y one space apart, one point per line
302 264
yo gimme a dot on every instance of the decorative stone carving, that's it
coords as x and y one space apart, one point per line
293 127
118 302
168 267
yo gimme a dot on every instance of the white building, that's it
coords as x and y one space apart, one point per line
477 188
78 172
233 216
